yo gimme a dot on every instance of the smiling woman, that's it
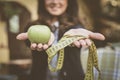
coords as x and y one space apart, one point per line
62 15
56 7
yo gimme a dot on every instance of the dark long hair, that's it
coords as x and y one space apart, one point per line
71 14
68 19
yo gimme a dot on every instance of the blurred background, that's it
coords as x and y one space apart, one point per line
96 15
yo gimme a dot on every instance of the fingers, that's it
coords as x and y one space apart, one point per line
33 46
42 47
38 47
82 43
88 42
22 36
97 36
76 43
45 46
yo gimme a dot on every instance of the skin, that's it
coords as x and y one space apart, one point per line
57 8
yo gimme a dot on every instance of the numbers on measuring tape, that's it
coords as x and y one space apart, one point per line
59 49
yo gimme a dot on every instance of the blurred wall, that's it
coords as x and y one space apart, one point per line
4 50
9 46
31 5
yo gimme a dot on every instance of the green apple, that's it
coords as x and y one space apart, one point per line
39 34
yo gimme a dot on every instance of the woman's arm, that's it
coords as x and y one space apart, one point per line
78 30
34 46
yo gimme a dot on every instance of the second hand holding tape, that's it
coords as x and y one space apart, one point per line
59 49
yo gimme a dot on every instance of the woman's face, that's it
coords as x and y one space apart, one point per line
56 7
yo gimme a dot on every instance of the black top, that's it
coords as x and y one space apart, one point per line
71 70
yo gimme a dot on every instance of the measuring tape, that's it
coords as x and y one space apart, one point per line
59 49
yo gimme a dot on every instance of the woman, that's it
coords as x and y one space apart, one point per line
64 15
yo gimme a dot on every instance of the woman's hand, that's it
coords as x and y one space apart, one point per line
86 33
34 46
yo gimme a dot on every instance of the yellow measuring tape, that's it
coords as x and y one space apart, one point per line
59 49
